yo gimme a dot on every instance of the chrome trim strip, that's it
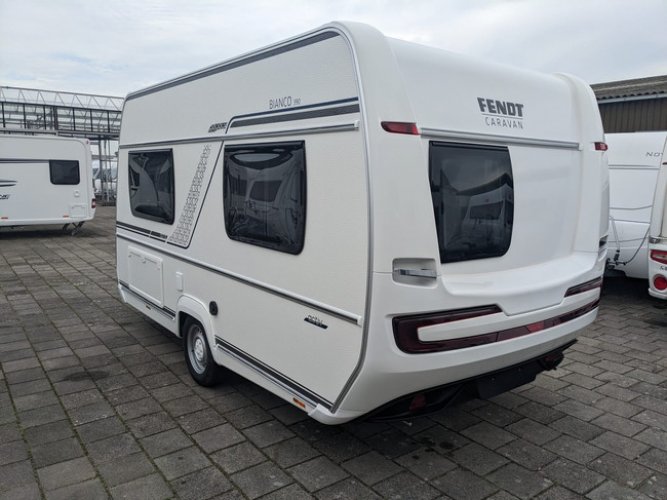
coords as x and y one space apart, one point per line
164 310
333 311
497 139
343 127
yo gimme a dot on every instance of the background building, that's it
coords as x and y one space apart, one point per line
633 105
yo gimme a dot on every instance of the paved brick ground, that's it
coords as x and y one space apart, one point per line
96 402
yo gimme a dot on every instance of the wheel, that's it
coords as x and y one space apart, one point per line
201 364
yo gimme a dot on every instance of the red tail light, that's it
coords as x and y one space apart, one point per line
660 282
659 256
401 128
93 203
584 287
601 146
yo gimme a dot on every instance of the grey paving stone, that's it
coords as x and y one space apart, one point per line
348 489
527 454
437 437
100 429
268 433
573 449
533 431
539 412
165 442
426 463
217 438
138 408
128 469
619 425
291 452
519 481
9 432
558 493
464 485
204 483
238 457
577 477
14 451
317 473
341 447
112 448
200 420
40 416
169 392
151 487
30 387
148 425
65 473
393 443
80 398
478 459
26 492
56 451
182 462
127 395
88 490
655 486
260 480
488 435
404 486
579 410
652 419
289 414
617 407
497 415
621 470
371 467
89 413
15 475
291 492
610 490
247 416
621 445
577 428
47 433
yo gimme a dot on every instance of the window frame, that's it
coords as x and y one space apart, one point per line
53 163
299 145
476 147
147 216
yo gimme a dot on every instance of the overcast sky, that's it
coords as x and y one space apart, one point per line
116 46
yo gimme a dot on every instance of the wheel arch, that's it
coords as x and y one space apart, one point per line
190 307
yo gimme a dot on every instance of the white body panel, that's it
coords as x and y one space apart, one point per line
316 326
658 228
634 160
27 194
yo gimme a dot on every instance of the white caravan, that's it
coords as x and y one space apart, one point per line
45 180
634 160
364 226
657 245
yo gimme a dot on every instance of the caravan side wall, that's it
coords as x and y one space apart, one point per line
45 180
657 246
289 314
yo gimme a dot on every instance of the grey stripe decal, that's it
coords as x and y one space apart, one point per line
140 230
220 68
276 376
22 160
341 110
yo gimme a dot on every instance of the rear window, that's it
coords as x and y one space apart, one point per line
473 200
64 172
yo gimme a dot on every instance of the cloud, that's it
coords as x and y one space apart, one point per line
117 46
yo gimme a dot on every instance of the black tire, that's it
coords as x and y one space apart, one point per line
201 364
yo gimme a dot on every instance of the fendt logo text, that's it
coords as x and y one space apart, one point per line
499 113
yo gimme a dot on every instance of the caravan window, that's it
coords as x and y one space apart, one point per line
473 199
64 172
265 195
152 185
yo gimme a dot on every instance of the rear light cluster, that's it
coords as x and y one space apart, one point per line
93 203
659 256
584 287
401 128
406 328
601 146
660 282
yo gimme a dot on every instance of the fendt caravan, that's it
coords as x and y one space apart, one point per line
364 226
45 180
657 241
634 161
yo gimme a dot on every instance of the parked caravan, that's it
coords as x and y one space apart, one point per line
634 161
364 226
657 241
45 180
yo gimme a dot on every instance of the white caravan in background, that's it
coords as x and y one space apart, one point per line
364 226
657 244
45 180
634 161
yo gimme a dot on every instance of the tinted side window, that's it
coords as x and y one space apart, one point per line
152 185
473 200
265 195
64 172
